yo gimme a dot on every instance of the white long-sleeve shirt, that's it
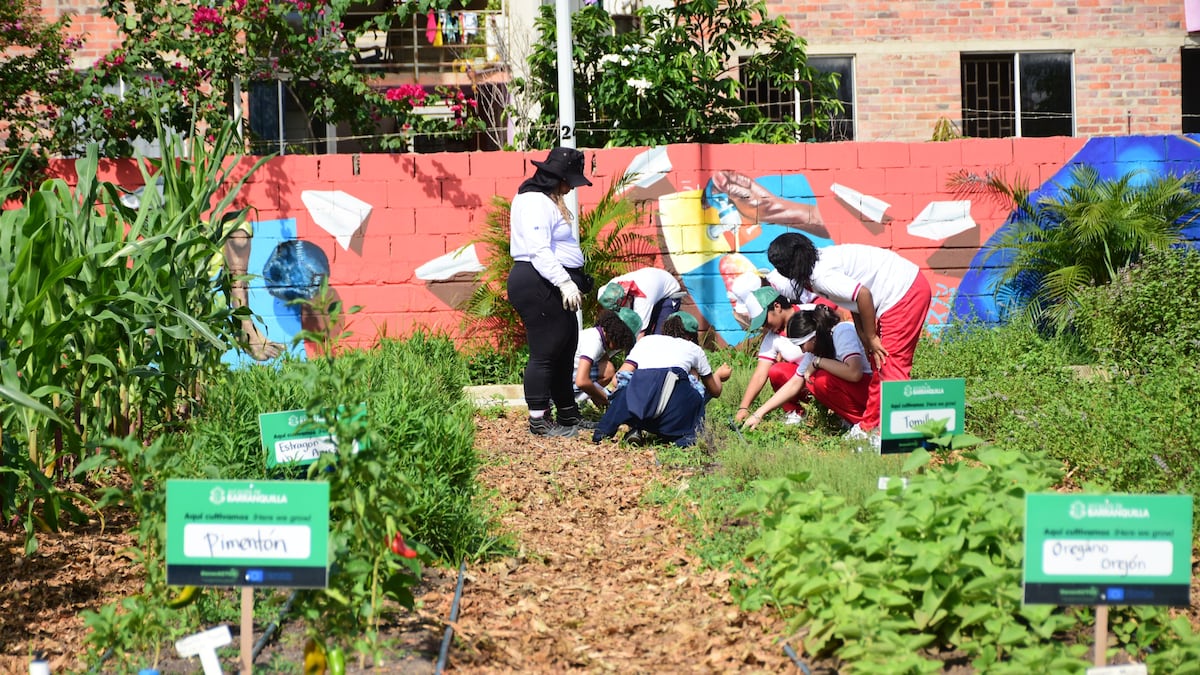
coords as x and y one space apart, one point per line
539 234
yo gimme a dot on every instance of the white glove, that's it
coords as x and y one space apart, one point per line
572 298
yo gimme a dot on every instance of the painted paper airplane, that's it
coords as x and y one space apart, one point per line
336 212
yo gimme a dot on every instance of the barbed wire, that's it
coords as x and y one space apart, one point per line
597 125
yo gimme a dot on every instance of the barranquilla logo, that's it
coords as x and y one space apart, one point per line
250 495
1106 509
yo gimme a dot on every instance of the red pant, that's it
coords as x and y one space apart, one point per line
899 329
779 375
847 399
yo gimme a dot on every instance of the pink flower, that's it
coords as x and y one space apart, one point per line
413 93
207 21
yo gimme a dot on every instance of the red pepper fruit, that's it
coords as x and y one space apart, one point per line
400 548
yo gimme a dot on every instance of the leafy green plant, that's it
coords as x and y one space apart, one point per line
489 366
129 627
610 246
35 70
677 79
936 564
1081 234
1146 317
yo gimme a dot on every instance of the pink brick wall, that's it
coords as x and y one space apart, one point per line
425 206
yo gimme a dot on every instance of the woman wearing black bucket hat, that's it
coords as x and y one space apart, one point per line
546 287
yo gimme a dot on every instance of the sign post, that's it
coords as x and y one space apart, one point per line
907 404
1107 549
247 534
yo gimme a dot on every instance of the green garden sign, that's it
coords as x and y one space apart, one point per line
247 533
288 439
907 404
1114 549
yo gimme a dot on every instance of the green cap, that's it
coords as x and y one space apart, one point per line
631 319
690 324
765 296
612 295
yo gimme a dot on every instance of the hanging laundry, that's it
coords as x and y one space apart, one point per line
431 30
470 25
462 37
450 28
441 24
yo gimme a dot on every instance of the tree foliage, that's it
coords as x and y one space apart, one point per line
677 79
34 73
185 64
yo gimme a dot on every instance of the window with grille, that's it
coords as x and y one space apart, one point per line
842 126
1189 77
1025 94
777 106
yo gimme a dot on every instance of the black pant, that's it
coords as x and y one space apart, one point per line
552 334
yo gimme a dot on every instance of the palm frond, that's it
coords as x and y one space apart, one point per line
1080 233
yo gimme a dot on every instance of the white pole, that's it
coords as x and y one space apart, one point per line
566 75
566 103
566 90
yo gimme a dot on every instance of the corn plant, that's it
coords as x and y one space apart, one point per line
111 314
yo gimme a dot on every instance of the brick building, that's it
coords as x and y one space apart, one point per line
1005 67
991 68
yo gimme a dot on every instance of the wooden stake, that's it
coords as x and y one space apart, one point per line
1101 638
247 644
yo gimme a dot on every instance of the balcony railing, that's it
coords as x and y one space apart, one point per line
457 46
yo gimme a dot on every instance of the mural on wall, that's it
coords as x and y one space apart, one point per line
286 275
715 238
713 224
1145 156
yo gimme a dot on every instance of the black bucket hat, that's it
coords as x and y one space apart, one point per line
565 163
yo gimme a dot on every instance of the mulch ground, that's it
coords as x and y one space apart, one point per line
601 583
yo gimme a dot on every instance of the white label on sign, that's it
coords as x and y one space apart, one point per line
299 449
885 481
205 646
904 421
1107 557
217 540
1125 669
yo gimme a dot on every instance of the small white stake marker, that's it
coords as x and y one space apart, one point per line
205 646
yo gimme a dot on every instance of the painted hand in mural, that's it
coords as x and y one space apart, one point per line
758 204
237 260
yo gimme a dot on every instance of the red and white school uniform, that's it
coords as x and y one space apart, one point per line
901 295
845 398
785 359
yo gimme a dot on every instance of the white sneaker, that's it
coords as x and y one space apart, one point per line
856 433
793 417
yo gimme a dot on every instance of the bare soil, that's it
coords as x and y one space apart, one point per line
602 582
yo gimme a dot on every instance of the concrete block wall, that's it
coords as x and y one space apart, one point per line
423 207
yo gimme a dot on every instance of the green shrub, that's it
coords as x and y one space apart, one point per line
493 366
1148 316
934 566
